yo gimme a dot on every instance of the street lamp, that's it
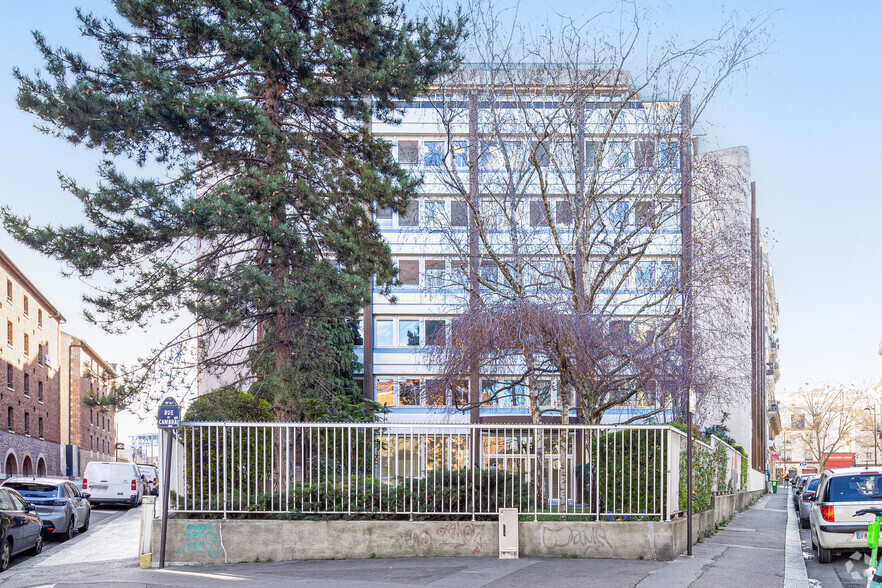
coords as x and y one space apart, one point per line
875 438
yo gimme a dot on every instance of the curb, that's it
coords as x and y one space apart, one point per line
795 574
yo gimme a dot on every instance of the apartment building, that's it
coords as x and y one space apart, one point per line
30 440
88 431
499 199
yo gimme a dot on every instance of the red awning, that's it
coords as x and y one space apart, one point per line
840 460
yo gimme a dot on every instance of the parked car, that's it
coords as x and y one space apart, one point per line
60 504
797 490
113 482
20 527
805 502
840 494
151 476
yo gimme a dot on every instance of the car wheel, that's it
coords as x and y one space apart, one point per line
38 547
85 526
5 555
825 556
68 534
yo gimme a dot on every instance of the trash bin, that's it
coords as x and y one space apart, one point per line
774 486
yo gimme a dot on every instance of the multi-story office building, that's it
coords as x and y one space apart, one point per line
88 431
30 438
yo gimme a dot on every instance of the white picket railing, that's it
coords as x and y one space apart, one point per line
602 471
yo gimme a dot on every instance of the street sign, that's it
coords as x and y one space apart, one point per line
802 464
169 414
775 456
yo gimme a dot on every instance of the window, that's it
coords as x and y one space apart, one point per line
459 213
538 218
411 217
408 152
542 155
9 376
384 217
435 213
514 395
490 391
592 154
669 155
27 385
9 333
409 392
91 417
489 274
434 153
669 278
39 391
40 317
435 393
460 394
436 334
619 154
9 290
91 443
643 214
461 154
408 333
435 273
563 212
543 393
9 418
385 391
644 153
24 304
618 215
357 328
39 354
383 332
409 272
27 424
40 427
27 345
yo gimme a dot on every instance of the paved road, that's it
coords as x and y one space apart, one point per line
101 516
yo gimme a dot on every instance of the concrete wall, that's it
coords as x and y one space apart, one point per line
206 541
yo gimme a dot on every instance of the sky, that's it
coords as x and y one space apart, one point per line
805 109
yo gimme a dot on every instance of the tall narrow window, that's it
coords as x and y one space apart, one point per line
9 290
24 304
39 354
40 317
40 427
9 376
27 424
9 419
39 391
27 345
27 385
9 333
91 417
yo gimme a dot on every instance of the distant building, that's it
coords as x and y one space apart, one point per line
144 448
90 432
29 402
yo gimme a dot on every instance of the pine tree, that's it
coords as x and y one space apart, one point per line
258 174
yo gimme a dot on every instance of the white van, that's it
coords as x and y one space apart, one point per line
113 483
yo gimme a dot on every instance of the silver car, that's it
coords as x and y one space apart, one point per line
805 500
62 507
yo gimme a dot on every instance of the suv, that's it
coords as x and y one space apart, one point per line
841 493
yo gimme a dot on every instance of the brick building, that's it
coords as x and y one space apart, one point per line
90 431
30 436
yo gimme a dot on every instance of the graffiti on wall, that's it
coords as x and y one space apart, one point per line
464 537
585 538
201 538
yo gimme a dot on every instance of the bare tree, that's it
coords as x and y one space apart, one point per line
574 177
832 420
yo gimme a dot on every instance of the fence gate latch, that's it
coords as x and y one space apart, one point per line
508 533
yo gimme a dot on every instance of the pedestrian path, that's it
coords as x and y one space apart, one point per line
760 548
109 543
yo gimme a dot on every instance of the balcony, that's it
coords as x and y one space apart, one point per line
774 420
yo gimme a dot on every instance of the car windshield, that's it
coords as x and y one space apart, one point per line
855 488
35 490
147 472
813 485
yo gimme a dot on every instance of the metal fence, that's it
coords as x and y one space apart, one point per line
425 470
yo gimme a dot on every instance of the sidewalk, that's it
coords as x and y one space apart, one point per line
755 549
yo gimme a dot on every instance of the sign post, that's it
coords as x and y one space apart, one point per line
169 418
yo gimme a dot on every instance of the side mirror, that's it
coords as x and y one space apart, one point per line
85 495
31 507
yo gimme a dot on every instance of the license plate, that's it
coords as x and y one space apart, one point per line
99 487
861 535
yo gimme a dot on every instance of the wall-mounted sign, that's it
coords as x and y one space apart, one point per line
169 414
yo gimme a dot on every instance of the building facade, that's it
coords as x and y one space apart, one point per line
30 439
88 431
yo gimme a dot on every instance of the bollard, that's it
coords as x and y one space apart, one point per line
145 544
